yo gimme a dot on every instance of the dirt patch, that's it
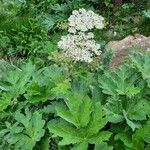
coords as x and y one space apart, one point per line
122 48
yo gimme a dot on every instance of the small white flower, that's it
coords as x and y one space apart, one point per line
139 39
72 30
115 33
75 12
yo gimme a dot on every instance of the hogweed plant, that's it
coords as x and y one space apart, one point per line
79 43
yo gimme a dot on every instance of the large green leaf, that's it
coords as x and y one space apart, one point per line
125 138
33 124
79 109
15 81
144 132
113 110
138 109
103 146
142 61
100 137
62 129
98 120
132 110
5 101
119 82
81 146
130 123
38 93
25 132
46 82
80 126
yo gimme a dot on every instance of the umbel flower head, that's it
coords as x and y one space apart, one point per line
83 20
81 46
79 43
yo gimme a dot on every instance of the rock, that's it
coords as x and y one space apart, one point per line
122 47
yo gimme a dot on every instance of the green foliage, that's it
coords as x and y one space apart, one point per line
141 62
14 83
119 82
25 33
43 83
80 123
126 92
147 13
35 85
103 146
71 106
134 109
108 109
24 132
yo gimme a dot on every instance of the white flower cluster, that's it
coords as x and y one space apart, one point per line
83 20
80 44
